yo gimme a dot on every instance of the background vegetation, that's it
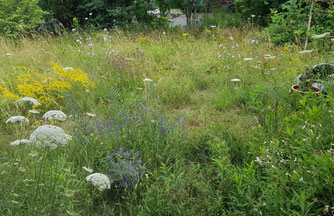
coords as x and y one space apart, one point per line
215 131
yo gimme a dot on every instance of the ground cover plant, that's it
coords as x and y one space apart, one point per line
170 122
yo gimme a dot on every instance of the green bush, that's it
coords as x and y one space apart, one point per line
290 25
62 10
98 13
17 17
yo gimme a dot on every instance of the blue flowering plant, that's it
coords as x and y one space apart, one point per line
126 168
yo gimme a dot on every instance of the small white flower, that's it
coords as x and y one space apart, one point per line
8 54
19 119
19 142
34 111
87 91
153 12
235 80
248 59
301 179
267 56
147 80
332 39
14 202
28 181
213 26
87 169
258 160
22 169
28 100
68 68
252 15
90 14
99 180
53 115
49 136
320 36
91 114
306 51
33 154
86 18
264 204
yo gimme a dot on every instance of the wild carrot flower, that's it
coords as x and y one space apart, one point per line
19 119
28 100
54 115
19 142
99 180
147 80
91 114
49 136
33 111
87 169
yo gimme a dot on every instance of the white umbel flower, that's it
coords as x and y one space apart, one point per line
49 136
248 59
320 35
235 80
305 51
91 114
17 119
28 100
19 142
54 115
99 180
68 68
269 56
33 111
147 80
87 169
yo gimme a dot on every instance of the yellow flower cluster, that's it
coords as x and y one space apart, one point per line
73 76
5 93
47 89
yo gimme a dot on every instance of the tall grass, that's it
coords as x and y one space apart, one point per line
211 146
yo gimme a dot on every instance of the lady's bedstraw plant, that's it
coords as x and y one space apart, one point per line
126 168
48 89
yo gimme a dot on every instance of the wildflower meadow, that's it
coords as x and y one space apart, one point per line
170 121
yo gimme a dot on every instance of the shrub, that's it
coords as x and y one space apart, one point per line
17 17
290 25
260 8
